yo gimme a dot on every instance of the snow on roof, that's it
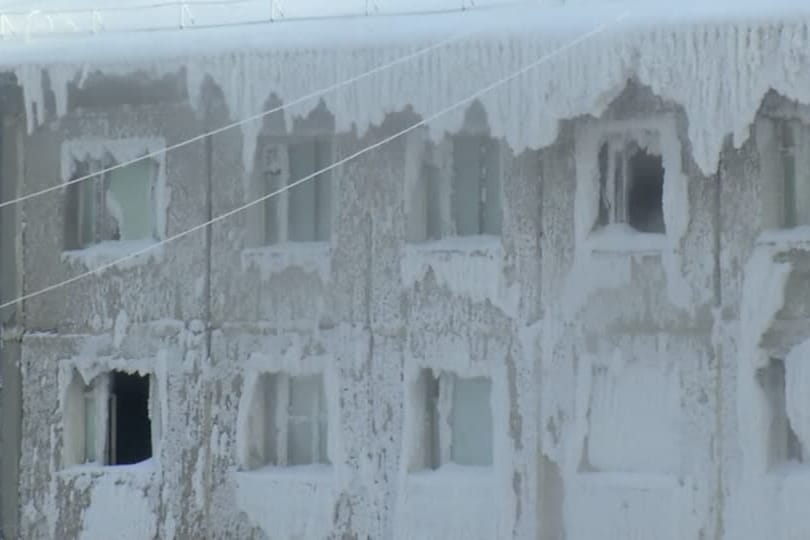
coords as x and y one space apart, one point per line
715 62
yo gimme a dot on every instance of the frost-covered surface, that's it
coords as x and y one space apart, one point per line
623 366
682 56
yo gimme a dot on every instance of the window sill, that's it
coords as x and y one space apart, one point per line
143 469
290 502
621 238
630 480
107 253
466 266
453 472
483 245
797 237
311 257
319 472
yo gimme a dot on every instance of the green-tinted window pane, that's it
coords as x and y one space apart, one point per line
129 200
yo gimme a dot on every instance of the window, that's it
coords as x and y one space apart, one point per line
631 187
109 421
783 444
425 203
112 206
288 421
455 187
304 212
476 185
455 423
793 181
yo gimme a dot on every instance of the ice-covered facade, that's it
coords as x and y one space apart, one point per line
557 286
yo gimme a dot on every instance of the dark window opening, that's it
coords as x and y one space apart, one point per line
645 192
130 429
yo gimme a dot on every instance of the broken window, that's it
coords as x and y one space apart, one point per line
793 183
456 422
476 194
288 421
110 420
783 444
631 187
113 205
302 213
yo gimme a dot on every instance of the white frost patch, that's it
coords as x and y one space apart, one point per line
120 328
292 503
763 295
634 415
625 505
452 502
105 253
119 507
797 388
683 57
469 267
310 257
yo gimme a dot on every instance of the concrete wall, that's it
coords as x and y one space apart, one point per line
622 366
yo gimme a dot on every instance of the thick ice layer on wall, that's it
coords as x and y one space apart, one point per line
718 70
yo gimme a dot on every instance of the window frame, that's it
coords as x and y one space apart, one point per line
81 157
270 424
615 182
435 177
787 148
656 134
435 393
274 226
97 409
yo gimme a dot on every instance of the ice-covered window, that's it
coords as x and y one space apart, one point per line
110 420
782 443
288 421
457 191
792 184
476 194
304 212
455 421
631 186
113 205
426 216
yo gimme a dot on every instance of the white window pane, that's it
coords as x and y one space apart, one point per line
471 421
306 421
129 200
90 437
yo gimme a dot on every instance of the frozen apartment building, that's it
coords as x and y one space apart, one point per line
541 272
